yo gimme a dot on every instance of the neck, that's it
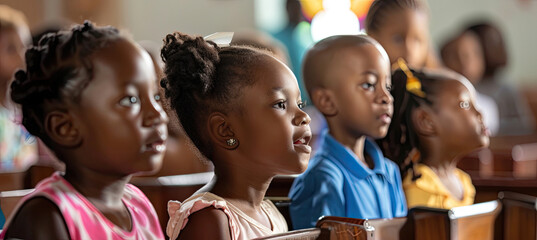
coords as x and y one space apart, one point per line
239 184
99 188
355 144
441 162
4 101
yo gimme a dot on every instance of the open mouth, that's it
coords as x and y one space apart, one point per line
385 118
304 139
301 144
157 147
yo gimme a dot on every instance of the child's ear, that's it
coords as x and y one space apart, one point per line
424 123
323 101
61 129
221 132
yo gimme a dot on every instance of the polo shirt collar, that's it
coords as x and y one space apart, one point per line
335 150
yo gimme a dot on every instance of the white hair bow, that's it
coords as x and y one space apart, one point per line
222 39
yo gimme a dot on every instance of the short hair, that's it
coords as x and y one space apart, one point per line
314 64
201 78
58 69
493 62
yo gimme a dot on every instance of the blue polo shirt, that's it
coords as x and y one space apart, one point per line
337 183
2 219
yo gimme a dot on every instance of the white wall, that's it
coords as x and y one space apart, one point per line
153 19
516 18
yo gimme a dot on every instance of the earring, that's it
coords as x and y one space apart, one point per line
232 141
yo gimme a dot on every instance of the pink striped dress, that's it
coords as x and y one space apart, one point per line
84 221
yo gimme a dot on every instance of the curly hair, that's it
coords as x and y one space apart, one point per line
58 69
379 8
401 137
201 78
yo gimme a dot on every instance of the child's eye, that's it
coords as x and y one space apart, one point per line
301 105
389 88
128 101
368 86
464 105
397 38
279 105
157 97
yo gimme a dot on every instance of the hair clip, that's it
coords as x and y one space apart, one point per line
413 84
222 39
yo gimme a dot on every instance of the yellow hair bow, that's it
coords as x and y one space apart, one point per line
413 84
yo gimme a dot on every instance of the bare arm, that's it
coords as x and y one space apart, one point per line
38 218
208 223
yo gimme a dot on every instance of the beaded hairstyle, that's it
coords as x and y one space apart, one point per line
410 90
58 70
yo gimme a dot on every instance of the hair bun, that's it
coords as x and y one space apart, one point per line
198 59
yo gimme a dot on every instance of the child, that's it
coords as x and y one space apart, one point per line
436 124
514 112
463 55
17 148
401 27
90 95
349 176
242 108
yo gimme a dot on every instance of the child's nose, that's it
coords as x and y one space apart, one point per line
155 115
385 96
302 118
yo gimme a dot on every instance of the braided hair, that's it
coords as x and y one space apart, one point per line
380 8
401 137
201 78
58 69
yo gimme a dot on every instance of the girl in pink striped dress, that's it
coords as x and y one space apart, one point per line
90 95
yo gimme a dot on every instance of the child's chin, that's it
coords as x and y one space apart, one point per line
380 134
485 141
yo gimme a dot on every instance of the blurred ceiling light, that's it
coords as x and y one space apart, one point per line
336 18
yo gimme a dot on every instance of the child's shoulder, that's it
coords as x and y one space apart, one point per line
199 210
198 222
41 216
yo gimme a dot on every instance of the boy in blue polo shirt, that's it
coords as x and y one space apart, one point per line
348 79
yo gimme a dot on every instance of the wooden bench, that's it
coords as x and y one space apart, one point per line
11 181
469 222
383 228
518 218
10 199
346 228
160 190
302 234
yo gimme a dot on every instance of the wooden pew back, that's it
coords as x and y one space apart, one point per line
160 190
469 222
11 181
518 219
475 221
10 199
302 234
346 228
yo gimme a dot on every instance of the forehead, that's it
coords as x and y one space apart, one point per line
270 73
454 90
404 20
357 58
123 62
